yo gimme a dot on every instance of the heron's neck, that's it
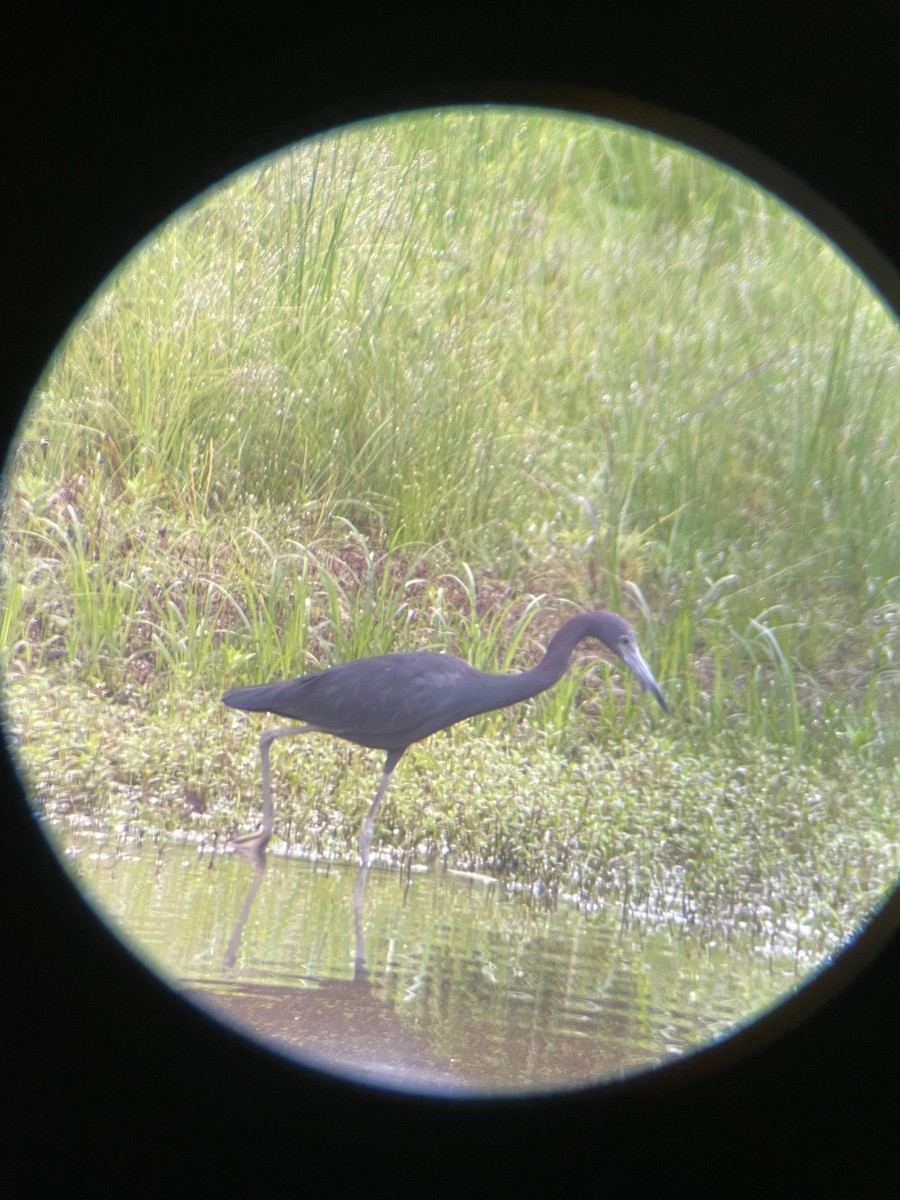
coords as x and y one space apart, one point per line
559 652
510 689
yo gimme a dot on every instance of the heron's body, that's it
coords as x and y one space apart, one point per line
388 702
391 701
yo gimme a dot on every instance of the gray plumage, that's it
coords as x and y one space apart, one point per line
390 701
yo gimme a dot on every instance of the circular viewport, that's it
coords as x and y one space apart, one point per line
596 440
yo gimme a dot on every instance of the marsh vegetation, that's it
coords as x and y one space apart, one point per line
438 383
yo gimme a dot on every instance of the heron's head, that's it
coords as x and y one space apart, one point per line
622 640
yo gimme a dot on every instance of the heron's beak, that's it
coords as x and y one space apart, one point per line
633 659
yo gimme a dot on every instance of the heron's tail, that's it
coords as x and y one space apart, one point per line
260 698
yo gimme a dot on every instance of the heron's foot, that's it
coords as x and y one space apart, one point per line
252 846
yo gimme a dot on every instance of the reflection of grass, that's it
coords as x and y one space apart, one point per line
473 969
437 384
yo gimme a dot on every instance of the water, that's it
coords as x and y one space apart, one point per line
451 983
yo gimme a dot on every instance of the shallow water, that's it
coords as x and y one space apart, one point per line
455 983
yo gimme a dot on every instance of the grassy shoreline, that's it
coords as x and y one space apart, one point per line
438 383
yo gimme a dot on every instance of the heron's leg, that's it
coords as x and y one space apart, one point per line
365 845
252 844
368 826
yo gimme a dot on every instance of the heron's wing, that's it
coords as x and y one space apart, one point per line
386 702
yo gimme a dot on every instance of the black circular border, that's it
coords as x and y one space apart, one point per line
112 1083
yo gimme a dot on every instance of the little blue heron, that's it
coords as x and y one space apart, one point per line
393 700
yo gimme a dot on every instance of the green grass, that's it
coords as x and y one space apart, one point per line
438 383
